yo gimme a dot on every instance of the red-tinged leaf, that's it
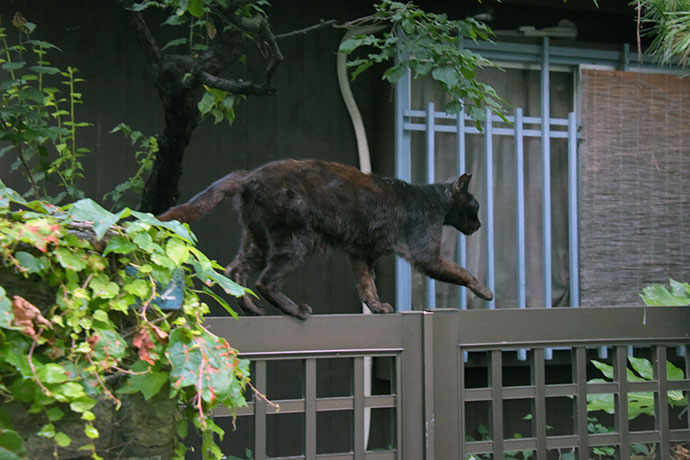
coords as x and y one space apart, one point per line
27 316
144 343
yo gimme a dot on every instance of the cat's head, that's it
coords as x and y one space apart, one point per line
464 210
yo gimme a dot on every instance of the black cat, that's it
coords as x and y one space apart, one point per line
291 209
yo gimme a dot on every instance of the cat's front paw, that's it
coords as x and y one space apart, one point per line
303 311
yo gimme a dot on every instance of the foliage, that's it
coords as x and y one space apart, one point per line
658 295
429 44
38 121
669 23
146 149
641 370
202 20
126 317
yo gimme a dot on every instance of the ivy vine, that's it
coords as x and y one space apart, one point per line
125 317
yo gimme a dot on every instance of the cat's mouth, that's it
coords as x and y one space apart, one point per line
472 229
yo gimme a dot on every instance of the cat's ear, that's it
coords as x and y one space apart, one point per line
462 183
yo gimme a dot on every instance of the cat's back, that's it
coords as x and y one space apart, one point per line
321 180
315 188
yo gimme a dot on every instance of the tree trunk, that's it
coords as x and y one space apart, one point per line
181 117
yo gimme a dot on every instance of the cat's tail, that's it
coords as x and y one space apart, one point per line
203 202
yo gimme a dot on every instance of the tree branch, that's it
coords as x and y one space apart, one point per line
146 38
306 30
235 86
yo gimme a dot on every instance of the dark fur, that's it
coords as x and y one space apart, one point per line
291 209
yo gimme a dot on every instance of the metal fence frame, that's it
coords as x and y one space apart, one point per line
430 350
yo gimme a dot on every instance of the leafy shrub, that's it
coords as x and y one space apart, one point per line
124 316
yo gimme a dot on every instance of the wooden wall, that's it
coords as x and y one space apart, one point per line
634 176
306 118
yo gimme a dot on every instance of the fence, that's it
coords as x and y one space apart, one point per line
457 389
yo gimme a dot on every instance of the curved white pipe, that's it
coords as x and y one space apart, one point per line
350 103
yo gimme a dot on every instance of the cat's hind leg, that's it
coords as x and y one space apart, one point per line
250 259
280 262
363 272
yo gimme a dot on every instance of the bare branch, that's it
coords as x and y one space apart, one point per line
235 86
306 30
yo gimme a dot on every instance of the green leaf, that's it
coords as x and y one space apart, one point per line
6 454
177 251
119 245
54 414
446 75
181 230
51 373
30 263
605 369
47 431
10 66
643 367
196 8
603 402
148 384
45 69
69 390
83 404
62 439
673 372
91 431
207 102
139 288
6 312
11 443
658 295
351 44
176 42
71 259
206 355
102 219
108 344
103 288
395 73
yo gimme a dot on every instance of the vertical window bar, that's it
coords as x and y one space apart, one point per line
520 217
462 251
620 370
573 211
661 415
430 179
496 384
546 176
259 379
546 171
489 181
403 271
520 209
580 378
310 410
359 448
539 419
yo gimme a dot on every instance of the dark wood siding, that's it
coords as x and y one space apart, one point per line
306 118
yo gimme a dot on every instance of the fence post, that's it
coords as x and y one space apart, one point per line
447 385
416 387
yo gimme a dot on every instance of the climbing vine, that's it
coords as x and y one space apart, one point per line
123 316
